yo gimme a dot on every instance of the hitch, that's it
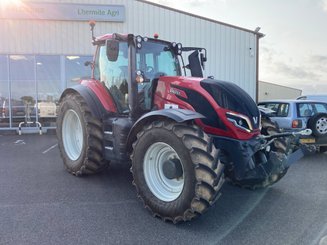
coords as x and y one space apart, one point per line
271 138
305 132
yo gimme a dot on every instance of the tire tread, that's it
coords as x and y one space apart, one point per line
208 175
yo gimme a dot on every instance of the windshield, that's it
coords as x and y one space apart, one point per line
156 59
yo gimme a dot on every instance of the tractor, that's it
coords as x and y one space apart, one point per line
183 135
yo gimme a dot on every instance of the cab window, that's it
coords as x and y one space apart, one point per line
114 75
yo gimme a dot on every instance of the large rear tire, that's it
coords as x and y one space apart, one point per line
194 177
279 146
80 137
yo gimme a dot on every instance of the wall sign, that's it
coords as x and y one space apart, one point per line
62 11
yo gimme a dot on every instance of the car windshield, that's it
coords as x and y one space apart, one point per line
309 109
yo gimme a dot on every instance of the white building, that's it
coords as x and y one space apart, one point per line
271 91
44 44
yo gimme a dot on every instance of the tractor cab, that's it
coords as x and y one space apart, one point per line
130 66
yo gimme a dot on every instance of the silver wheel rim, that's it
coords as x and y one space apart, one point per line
321 125
163 188
72 135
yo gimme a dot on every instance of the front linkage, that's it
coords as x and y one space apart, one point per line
257 163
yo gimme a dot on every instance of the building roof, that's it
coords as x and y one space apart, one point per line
275 84
260 35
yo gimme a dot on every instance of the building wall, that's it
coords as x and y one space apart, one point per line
268 91
231 51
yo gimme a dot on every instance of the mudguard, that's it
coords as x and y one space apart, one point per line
177 115
96 107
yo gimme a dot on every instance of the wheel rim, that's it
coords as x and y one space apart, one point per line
321 125
162 187
72 135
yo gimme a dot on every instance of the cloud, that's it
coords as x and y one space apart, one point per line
318 58
267 54
324 5
276 67
319 63
303 72
297 72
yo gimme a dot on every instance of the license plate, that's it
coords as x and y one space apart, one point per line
308 141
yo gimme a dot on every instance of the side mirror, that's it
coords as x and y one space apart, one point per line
194 64
112 49
203 59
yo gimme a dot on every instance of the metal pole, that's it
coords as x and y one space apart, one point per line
9 90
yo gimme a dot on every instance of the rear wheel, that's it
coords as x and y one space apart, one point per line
176 170
80 137
279 146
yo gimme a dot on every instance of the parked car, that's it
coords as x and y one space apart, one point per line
299 115
18 109
316 97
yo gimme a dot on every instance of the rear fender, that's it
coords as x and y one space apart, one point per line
177 115
95 105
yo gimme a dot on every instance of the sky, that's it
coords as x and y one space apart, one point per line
294 50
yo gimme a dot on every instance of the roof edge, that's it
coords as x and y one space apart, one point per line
280 85
259 34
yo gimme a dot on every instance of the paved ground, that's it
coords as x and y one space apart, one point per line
40 203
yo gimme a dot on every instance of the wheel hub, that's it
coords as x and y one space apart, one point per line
322 125
172 169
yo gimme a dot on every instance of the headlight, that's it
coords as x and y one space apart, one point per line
240 121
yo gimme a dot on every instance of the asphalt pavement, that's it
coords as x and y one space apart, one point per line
40 203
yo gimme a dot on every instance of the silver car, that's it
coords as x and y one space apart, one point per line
316 97
298 115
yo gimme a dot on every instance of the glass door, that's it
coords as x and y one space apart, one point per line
23 89
4 92
48 78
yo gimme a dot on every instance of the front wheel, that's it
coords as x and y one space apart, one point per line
176 170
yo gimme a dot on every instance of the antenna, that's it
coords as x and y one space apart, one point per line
92 25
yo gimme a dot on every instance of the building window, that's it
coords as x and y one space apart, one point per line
49 88
4 92
31 86
23 88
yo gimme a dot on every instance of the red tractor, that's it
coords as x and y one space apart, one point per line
182 134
